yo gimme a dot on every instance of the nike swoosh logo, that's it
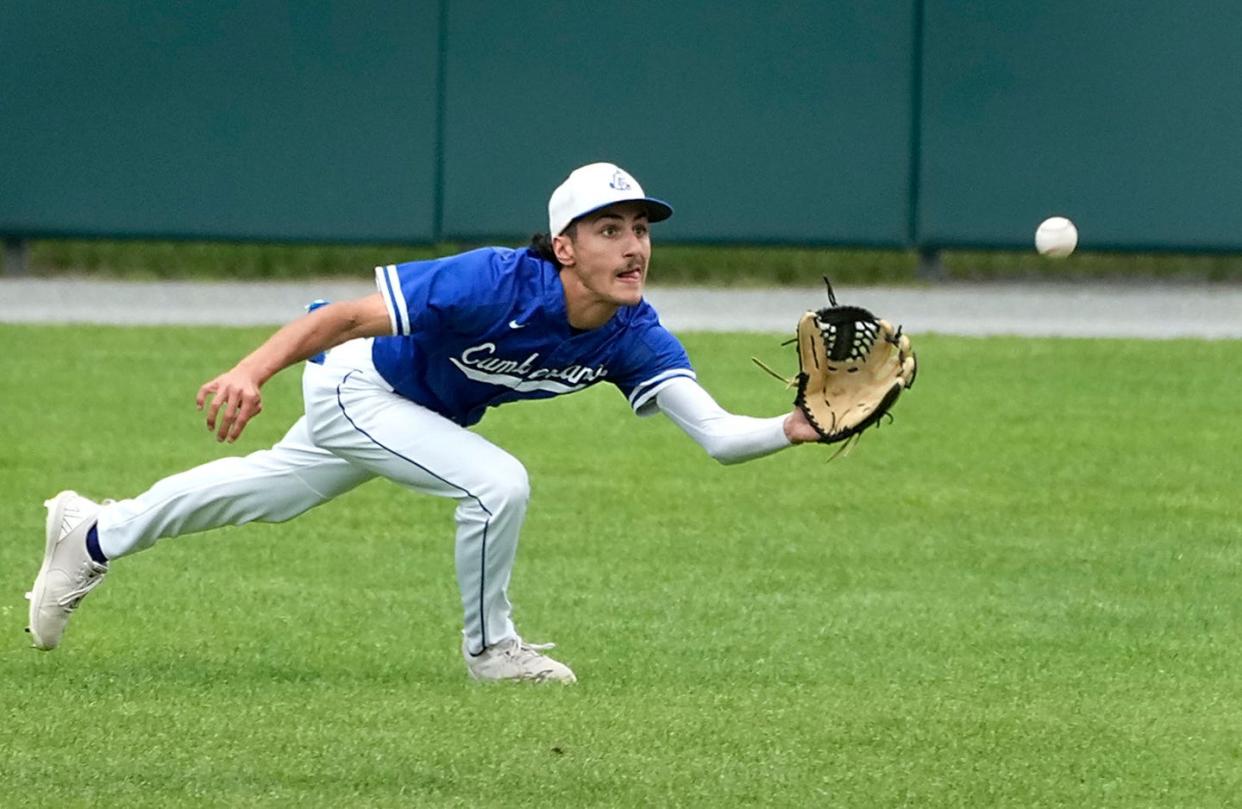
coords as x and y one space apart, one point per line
513 324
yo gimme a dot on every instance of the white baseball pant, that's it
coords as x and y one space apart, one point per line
355 428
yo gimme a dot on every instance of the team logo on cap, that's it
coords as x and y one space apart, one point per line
619 181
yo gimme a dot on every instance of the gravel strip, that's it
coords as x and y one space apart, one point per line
1070 310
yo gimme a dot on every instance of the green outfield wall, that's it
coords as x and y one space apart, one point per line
763 122
922 123
237 120
1126 116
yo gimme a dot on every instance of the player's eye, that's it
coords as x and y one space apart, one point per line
609 230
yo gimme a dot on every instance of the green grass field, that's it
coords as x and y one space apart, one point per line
1023 593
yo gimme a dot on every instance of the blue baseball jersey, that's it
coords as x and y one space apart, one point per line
489 326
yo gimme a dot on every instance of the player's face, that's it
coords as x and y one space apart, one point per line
608 255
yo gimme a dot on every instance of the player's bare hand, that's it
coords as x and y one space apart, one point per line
798 430
235 400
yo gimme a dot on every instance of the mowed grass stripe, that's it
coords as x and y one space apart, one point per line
1022 592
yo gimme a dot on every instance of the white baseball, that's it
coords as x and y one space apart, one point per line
1056 237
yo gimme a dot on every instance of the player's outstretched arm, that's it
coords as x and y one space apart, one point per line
234 394
727 437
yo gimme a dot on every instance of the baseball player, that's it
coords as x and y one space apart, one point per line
394 382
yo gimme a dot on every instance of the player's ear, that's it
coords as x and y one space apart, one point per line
563 249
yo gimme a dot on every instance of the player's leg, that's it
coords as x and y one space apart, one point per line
367 424
82 536
271 485
424 451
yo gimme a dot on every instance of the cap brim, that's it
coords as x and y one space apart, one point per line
657 209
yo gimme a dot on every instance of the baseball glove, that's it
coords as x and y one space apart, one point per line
852 368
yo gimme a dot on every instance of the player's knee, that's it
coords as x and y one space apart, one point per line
508 484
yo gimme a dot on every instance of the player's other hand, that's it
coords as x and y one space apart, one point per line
798 430
235 400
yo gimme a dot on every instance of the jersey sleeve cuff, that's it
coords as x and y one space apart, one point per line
389 284
642 398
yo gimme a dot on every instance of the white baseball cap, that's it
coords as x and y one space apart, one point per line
596 186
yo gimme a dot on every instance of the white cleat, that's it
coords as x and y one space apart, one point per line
68 572
515 659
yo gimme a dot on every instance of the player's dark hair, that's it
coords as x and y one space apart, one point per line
541 244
